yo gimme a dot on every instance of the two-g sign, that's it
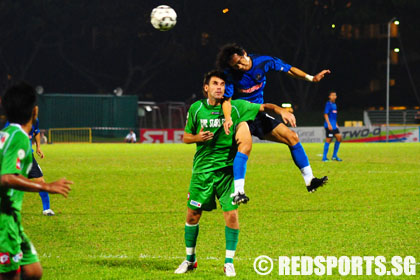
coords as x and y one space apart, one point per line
161 135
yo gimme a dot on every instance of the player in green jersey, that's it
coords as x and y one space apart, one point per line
18 257
212 167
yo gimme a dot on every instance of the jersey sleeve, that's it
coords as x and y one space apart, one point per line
191 126
276 64
36 127
15 155
327 108
247 111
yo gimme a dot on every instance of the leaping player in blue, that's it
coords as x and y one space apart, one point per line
246 79
36 173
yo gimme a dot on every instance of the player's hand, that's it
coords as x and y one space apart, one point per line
39 152
288 118
330 127
61 186
318 77
227 125
205 135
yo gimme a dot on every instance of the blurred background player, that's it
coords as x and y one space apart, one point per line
331 127
246 79
36 172
18 257
131 137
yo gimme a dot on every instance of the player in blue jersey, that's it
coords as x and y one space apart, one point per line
246 79
36 173
331 127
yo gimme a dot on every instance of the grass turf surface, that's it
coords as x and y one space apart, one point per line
124 218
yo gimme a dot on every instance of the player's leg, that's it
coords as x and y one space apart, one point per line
36 175
328 138
338 138
282 134
11 275
30 266
244 141
31 271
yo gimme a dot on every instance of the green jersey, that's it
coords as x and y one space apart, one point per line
15 158
221 150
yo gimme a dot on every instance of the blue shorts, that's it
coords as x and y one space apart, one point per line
331 133
36 171
263 124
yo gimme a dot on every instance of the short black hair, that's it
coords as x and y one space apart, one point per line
18 102
331 91
209 75
225 55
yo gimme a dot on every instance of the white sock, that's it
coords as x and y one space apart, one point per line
307 174
239 186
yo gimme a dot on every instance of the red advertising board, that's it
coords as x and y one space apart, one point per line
161 135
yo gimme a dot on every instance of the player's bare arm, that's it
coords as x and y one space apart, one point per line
202 136
299 74
328 121
21 183
287 117
227 111
38 145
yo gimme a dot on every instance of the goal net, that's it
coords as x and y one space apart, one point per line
70 135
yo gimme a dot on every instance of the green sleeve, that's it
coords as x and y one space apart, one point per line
247 110
191 126
15 155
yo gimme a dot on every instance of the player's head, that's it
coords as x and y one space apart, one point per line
332 95
234 57
19 103
214 84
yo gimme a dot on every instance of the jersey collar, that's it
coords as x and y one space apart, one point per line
18 126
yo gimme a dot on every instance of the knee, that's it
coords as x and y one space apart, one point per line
292 138
193 217
245 147
232 217
32 274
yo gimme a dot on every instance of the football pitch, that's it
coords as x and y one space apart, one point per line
125 216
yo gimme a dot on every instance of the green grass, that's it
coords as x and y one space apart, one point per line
124 218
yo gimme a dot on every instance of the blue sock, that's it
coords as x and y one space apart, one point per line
239 170
45 200
336 147
299 156
326 147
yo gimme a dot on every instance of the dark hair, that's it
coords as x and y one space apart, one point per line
225 55
18 102
209 75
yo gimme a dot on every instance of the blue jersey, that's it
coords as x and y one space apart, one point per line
250 85
34 131
331 111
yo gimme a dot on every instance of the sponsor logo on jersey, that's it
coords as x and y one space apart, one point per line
18 166
21 154
215 113
252 89
4 258
3 138
18 257
195 203
334 111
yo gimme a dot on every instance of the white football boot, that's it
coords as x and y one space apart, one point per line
48 212
186 266
229 270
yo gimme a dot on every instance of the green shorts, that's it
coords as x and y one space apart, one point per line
205 187
15 247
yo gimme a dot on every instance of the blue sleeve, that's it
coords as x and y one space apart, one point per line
327 108
7 124
35 127
276 64
228 90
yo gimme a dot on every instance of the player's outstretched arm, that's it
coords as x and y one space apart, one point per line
299 74
202 136
227 112
21 183
287 117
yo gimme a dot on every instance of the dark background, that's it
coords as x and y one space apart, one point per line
95 46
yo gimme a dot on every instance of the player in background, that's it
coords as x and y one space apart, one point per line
331 127
212 168
36 172
18 257
246 79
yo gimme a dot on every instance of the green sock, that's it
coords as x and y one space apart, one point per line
191 234
231 242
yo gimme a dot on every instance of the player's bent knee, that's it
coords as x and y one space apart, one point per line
292 138
32 271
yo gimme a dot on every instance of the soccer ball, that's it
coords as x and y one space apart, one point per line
163 18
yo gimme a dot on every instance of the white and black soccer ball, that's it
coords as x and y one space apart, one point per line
163 18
